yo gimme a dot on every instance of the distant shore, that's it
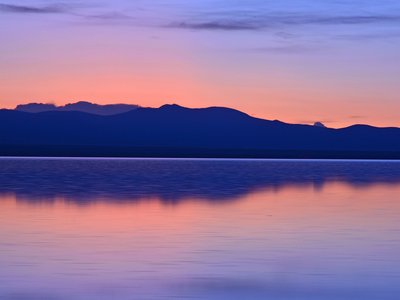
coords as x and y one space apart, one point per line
151 152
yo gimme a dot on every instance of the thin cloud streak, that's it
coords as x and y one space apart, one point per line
216 25
260 22
112 16
22 9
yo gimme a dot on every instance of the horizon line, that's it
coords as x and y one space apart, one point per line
58 106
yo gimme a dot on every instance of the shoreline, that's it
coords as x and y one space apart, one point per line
62 151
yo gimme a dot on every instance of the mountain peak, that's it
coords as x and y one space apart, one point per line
319 124
171 106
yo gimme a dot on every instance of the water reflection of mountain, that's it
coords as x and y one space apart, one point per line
175 180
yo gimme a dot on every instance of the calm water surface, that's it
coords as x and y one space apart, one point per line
199 229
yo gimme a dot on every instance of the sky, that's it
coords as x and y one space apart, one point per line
299 61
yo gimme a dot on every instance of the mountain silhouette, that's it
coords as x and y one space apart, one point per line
175 131
82 106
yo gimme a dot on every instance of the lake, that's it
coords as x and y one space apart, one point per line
100 229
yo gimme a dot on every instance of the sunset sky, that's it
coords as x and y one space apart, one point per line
299 61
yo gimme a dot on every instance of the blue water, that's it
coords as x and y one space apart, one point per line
199 229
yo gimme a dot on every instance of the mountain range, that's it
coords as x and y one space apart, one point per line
176 131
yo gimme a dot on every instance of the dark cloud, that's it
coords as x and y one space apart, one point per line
264 22
22 9
217 25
